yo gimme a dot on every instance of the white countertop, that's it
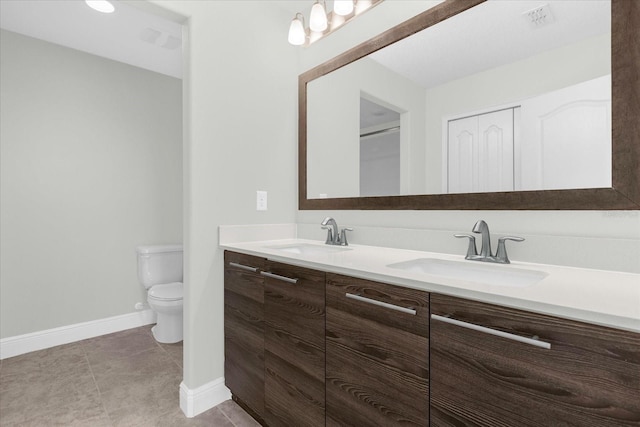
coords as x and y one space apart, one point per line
600 297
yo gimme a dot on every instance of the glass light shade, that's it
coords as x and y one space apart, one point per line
343 7
297 34
100 5
362 5
318 18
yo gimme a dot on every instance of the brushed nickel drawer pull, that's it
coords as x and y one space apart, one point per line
381 304
243 267
531 341
278 277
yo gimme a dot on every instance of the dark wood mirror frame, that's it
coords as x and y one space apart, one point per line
625 192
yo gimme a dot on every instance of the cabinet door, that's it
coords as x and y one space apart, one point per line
589 375
244 330
294 346
377 354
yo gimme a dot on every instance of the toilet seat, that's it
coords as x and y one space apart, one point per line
166 292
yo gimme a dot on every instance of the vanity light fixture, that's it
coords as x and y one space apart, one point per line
318 18
297 32
343 7
103 6
322 23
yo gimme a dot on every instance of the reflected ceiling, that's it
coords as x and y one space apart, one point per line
495 45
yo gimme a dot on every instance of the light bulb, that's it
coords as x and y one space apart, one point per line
297 34
100 5
343 7
318 18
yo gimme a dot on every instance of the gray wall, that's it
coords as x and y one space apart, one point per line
91 153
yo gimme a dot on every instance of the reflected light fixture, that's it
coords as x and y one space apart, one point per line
103 6
322 23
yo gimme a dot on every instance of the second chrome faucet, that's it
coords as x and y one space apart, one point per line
485 255
333 236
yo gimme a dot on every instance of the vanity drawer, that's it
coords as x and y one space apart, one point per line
377 354
492 365
242 275
402 308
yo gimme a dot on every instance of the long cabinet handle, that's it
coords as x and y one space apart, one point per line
531 341
243 267
381 304
278 277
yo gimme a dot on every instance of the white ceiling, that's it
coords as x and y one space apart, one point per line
494 33
373 114
491 31
118 35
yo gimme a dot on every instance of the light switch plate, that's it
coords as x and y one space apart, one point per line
261 200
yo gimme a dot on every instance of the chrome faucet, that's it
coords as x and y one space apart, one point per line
333 236
482 228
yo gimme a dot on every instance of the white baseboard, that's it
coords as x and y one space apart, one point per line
21 344
196 401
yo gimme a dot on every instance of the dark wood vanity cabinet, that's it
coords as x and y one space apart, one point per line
377 340
294 346
244 329
589 376
399 356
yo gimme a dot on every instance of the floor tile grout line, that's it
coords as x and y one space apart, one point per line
227 416
166 352
95 382
111 336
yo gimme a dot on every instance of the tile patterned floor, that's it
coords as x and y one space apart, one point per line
121 379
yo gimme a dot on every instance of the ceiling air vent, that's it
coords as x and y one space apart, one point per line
539 16
150 35
160 38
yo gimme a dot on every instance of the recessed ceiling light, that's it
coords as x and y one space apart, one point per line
100 5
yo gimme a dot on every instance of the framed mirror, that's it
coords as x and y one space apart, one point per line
533 106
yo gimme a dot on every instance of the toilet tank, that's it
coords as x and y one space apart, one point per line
159 264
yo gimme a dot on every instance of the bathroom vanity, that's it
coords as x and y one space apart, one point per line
375 336
319 335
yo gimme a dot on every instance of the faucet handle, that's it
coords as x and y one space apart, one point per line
471 249
343 236
501 254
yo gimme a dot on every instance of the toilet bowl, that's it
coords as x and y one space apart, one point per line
160 272
166 302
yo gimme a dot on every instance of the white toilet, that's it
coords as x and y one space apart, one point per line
160 272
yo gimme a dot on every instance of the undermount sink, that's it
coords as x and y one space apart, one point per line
308 249
473 271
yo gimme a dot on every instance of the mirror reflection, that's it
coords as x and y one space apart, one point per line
519 100
379 149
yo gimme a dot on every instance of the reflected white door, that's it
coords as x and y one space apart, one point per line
566 138
480 153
